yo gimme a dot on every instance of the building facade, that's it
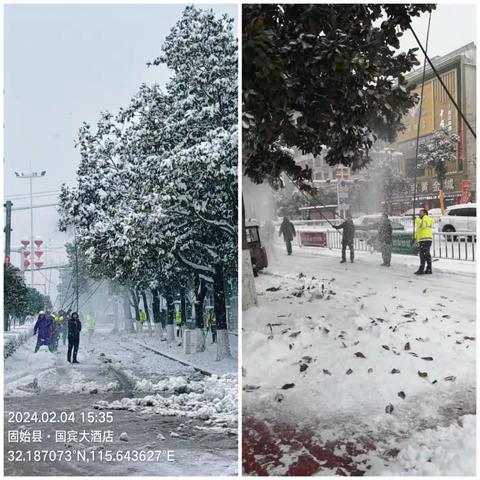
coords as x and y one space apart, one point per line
458 72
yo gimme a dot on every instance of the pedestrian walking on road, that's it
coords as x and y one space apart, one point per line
178 322
56 331
43 327
90 321
142 317
288 231
62 318
347 237
423 239
74 329
385 239
212 323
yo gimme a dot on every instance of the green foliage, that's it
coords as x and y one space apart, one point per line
18 299
322 77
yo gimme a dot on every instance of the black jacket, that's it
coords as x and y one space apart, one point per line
348 230
287 230
74 328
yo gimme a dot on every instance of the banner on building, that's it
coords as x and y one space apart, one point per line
466 185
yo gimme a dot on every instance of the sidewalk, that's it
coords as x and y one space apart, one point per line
206 360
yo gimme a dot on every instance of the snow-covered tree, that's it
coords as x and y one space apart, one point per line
155 205
438 151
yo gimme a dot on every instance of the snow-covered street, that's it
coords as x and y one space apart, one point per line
157 405
358 368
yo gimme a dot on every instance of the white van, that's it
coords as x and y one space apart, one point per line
459 218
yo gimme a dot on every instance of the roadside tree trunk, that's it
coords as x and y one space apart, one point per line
147 312
200 292
129 328
170 316
223 343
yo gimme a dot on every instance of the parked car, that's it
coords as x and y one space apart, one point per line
258 253
459 218
370 222
366 227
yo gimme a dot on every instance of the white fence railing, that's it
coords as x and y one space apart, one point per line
453 246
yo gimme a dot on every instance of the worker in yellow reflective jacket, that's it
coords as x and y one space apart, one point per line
178 322
90 321
423 239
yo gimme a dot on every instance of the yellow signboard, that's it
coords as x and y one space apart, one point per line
437 109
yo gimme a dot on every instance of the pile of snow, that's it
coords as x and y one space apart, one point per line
213 399
14 338
169 385
444 451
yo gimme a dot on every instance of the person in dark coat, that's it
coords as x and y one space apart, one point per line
74 329
385 239
44 327
347 237
288 231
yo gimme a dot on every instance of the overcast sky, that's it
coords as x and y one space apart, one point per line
63 65
66 63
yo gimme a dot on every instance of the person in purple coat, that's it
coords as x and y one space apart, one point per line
44 328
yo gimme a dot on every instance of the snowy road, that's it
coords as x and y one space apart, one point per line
348 366
185 420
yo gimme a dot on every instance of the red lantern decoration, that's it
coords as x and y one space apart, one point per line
26 263
26 253
38 253
39 264
38 242
25 242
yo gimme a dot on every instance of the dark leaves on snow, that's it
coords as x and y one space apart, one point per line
287 386
407 346
360 355
273 289
422 374
386 347
395 370
402 395
303 367
326 372
429 359
451 378
389 408
295 334
349 371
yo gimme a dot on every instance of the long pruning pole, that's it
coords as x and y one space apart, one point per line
419 119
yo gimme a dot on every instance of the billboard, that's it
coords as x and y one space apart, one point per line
437 109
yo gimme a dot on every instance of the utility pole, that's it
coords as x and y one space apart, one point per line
76 268
8 229
30 177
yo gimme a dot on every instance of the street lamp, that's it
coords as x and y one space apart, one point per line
31 176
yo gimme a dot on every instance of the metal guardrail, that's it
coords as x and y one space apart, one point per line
451 245
455 245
